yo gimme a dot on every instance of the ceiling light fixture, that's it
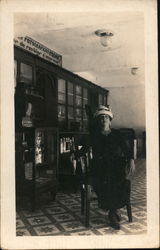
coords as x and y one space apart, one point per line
105 36
134 70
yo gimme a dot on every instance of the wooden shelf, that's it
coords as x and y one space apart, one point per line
73 133
35 96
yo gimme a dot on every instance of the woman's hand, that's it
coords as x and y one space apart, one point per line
131 169
132 166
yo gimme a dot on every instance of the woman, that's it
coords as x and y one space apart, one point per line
110 158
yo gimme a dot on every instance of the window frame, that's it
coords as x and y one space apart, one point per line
62 120
81 107
71 91
104 99
19 77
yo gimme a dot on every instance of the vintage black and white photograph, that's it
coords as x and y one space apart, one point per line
80 123
80 128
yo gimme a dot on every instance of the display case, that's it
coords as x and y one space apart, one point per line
69 144
36 163
36 145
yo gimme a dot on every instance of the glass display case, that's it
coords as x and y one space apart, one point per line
39 147
36 162
70 143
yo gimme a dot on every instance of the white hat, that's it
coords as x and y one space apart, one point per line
102 110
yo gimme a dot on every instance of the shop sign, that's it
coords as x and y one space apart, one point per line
38 49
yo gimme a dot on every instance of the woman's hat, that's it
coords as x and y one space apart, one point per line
102 110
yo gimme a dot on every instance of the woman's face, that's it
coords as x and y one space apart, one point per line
104 122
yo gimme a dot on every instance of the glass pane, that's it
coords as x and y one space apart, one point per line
25 73
78 90
85 93
84 115
70 113
100 99
78 119
61 85
85 125
15 73
41 89
39 147
85 101
78 113
70 99
61 97
105 100
79 101
71 124
51 147
79 123
70 87
61 111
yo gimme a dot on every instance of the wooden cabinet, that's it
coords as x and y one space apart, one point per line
36 162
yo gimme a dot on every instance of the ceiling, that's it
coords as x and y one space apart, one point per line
73 36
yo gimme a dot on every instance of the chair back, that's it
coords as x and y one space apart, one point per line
83 165
128 135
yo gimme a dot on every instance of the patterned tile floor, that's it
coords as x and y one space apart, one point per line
63 217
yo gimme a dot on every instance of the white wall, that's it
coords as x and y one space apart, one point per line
128 106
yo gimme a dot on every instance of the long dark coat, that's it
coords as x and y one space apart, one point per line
110 158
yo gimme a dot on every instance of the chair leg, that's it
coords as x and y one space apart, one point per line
33 202
82 199
129 212
33 198
53 195
87 205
